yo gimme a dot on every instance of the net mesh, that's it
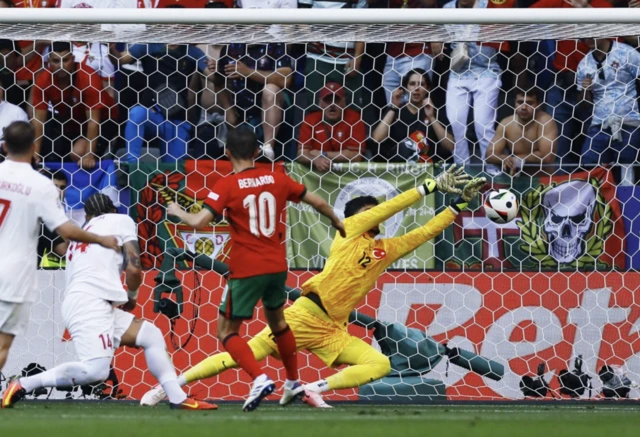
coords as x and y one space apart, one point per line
470 314
298 33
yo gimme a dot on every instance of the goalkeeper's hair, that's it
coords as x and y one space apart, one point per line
242 143
354 205
99 204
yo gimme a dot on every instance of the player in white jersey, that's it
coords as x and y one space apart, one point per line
90 311
26 199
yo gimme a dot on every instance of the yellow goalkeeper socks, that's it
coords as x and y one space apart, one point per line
218 363
209 367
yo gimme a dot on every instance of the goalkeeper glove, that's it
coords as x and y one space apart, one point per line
469 192
447 182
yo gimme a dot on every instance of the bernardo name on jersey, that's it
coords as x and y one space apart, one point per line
256 182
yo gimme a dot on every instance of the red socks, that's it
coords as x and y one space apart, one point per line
288 352
243 355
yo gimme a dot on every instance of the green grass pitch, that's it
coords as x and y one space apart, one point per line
97 419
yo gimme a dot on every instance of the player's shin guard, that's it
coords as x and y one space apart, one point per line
242 354
286 343
151 340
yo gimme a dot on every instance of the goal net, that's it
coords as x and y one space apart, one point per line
138 104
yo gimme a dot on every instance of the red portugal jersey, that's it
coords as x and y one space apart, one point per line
84 93
254 201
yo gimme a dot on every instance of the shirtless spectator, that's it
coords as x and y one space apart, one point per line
526 140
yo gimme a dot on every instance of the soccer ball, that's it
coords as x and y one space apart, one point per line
501 206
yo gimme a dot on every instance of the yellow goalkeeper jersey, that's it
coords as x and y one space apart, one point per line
356 262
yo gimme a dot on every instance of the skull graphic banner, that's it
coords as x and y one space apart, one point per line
564 223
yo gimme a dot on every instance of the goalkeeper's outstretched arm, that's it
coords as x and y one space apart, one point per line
364 221
446 182
398 247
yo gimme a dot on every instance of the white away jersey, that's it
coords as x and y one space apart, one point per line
26 198
97 271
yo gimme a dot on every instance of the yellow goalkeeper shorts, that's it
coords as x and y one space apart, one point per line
314 331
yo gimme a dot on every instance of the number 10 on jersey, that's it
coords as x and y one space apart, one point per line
262 213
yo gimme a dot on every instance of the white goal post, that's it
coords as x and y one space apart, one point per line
278 25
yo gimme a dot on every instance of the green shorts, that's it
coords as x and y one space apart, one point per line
242 295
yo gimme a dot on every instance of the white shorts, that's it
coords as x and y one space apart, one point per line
14 317
96 327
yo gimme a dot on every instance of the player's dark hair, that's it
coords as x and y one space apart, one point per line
61 46
99 204
419 72
533 91
18 137
354 205
242 143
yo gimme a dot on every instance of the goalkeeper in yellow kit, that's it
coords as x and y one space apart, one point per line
319 317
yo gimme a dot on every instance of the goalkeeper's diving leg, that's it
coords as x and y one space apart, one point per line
366 365
216 364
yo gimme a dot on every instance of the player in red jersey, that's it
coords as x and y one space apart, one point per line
255 200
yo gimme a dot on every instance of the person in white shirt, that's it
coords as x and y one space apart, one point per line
94 291
474 81
26 198
606 77
9 113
